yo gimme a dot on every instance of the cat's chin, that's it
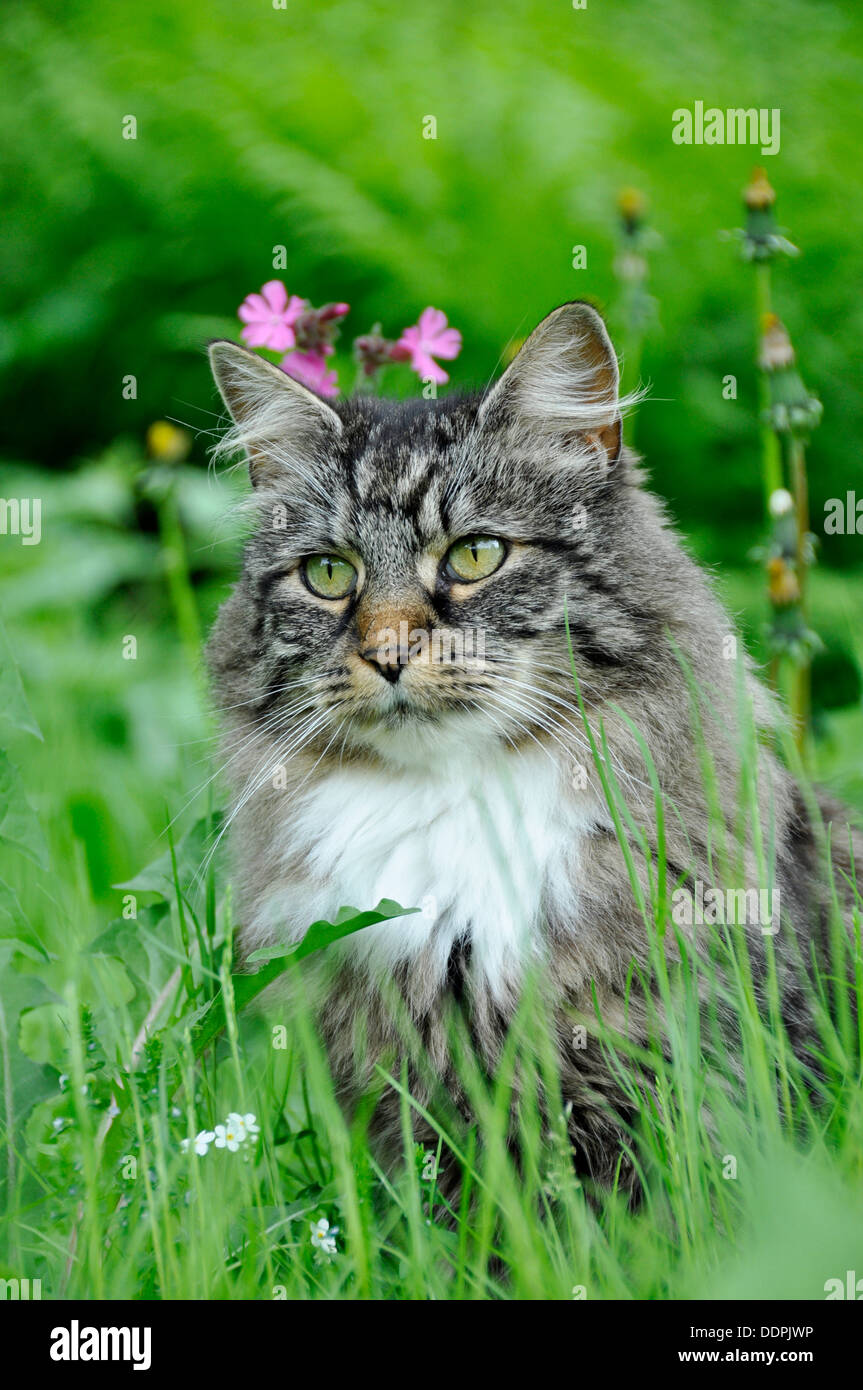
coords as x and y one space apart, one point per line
404 734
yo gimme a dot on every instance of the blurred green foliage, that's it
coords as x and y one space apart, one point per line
302 127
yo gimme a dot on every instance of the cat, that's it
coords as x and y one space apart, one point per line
367 762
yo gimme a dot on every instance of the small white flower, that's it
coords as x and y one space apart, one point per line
238 1125
201 1142
63 1081
324 1236
113 1109
244 1126
227 1136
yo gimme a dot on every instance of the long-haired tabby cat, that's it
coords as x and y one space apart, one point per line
370 761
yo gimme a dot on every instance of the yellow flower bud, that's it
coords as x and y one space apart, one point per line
758 193
167 443
631 204
782 586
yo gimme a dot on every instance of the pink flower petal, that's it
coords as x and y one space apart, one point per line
431 322
256 334
280 337
427 369
447 344
310 369
276 296
253 307
296 306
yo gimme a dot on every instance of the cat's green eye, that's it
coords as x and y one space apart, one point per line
475 557
329 576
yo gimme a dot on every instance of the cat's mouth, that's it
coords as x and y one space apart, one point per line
393 709
399 707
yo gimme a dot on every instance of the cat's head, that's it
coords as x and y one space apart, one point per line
413 564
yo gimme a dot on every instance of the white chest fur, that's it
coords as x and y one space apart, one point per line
485 846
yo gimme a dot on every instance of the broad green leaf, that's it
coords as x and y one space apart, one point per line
26 1082
26 950
14 706
43 1033
10 907
320 934
211 1020
19 824
130 940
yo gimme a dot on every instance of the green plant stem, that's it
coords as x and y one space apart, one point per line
631 375
771 455
800 488
801 686
179 580
771 450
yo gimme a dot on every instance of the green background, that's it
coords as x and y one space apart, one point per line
303 127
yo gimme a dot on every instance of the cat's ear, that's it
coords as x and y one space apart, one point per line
276 420
563 382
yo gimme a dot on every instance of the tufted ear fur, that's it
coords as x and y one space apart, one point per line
276 420
563 382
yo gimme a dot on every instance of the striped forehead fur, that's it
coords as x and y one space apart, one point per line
559 389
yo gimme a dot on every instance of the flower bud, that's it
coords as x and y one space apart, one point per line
167 443
631 205
783 588
781 502
317 329
759 193
373 351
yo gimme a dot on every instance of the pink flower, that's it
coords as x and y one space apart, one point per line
270 317
428 339
310 368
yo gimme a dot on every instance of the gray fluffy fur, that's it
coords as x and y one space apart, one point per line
387 483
